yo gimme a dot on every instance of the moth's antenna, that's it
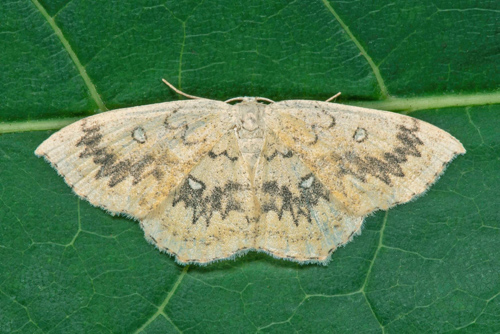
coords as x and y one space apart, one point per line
265 99
180 92
333 97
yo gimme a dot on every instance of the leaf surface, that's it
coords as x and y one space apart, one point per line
427 266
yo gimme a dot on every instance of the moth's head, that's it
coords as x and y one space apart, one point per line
249 100
249 113
244 99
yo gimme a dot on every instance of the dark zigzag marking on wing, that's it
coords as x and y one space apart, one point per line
204 204
390 164
110 166
212 155
286 155
295 205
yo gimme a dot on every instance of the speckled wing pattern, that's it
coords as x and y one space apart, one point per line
309 174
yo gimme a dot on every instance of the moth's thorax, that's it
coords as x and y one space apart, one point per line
250 128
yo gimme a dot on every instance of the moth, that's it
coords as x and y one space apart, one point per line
210 180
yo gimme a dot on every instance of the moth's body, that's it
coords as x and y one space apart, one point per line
250 130
209 180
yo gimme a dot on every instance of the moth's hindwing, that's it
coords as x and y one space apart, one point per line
211 214
298 220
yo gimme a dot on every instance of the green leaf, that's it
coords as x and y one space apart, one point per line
427 266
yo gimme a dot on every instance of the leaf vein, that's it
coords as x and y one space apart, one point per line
375 69
81 69
161 308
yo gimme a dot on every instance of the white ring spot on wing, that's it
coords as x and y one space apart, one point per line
307 183
194 185
139 135
360 135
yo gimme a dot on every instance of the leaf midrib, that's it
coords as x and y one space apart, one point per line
390 104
